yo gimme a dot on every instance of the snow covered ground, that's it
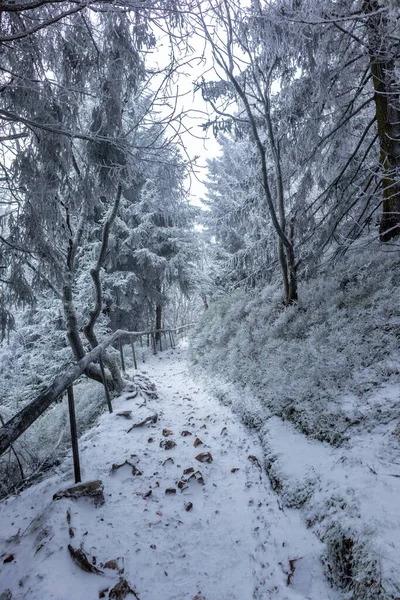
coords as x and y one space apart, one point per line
222 535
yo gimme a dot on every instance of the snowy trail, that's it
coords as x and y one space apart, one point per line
235 542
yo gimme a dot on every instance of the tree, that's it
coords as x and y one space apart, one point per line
153 248
301 81
75 117
384 48
249 82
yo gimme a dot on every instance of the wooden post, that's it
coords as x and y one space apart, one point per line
171 339
153 343
133 353
107 391
74 434
160 341
121 351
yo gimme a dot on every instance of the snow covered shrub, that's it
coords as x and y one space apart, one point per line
349 565
37 353
339 341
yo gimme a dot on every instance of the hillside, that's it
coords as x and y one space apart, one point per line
320 381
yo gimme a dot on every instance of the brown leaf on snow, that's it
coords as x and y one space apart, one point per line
159 513
167 444
135 470
80 558
203 427
116 564
234 469
168 461
121 590
197 442
292 564
198 476
189 470
188 506
8 558
170 491
182 484
167 432
185 433
254 460
204 457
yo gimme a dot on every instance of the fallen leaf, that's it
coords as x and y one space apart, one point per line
189 470
167 432
186 433
204 457
121 590
254 460
80 558
197 442
188 506
167 444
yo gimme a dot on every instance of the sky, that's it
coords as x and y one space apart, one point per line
196 141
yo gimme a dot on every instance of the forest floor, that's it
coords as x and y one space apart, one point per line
224 536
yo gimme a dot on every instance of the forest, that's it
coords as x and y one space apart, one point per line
202 195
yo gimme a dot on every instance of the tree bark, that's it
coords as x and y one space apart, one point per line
159 313
109 361
387 104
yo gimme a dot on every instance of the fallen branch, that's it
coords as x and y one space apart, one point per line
150 419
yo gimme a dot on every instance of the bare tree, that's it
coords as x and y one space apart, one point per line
249 82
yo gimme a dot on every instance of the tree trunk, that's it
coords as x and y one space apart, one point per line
159 314
387 103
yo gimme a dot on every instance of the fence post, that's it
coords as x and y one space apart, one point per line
153 343
121 351
171 339
160 332
74 434
107 391
133 353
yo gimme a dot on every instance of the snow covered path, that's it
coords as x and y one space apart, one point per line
234 543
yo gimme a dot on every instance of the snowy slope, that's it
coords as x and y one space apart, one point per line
235 543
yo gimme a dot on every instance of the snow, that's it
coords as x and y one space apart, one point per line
237 542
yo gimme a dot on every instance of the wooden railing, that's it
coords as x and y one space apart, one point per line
18 424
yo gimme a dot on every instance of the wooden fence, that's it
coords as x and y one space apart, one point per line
18 424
